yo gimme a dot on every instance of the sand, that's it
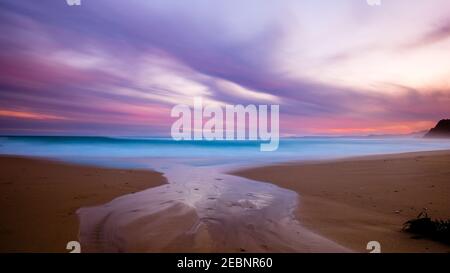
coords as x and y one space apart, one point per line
39 199
357 200
348 201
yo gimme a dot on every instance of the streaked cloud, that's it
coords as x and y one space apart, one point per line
28 115
117 67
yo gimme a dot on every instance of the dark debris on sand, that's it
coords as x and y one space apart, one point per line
424 226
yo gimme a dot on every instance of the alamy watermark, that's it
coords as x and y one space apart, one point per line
231 122
374 2
74 247
73 2
374 247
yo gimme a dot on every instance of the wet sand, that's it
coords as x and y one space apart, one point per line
200 210
357 200
39 199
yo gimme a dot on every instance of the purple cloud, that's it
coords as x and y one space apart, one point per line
112 60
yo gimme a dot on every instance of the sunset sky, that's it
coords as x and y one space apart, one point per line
111 67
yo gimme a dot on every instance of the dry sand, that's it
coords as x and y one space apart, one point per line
357 200
39 198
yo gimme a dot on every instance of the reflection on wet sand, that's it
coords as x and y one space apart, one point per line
202 209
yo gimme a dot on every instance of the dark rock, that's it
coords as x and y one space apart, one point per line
441 130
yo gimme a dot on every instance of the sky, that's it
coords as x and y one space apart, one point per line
111 67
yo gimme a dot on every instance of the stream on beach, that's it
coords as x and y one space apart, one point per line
201 209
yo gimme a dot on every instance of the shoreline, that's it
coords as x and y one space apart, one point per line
355 200
371 199
39 199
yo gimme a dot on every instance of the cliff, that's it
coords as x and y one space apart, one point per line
442 129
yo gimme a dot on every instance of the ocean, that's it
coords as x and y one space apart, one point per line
129 151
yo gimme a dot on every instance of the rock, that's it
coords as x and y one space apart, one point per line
441 130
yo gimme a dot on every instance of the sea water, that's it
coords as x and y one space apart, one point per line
126 151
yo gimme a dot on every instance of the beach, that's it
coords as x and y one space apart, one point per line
357 200
307 206
39 199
